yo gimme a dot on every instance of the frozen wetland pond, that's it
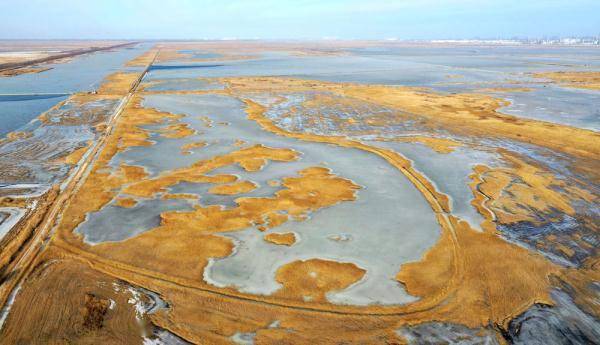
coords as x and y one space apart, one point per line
389 224
335 192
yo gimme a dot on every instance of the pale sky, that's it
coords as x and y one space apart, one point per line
300 19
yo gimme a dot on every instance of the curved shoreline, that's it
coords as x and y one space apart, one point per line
437 202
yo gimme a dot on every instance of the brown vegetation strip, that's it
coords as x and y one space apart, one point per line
583 80
234 188
310 280
285 239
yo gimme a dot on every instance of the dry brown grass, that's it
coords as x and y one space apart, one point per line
469 277
582 80
472 115
23 70
118 83
498 280
77 312
187 148
285 239
310 280
251 159
439 145
125 202
523 191
143 60
177 130
504 89
75 156
233 188
17 135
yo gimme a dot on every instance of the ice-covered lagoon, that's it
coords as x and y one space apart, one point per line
389 224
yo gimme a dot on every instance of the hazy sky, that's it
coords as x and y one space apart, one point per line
371 19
